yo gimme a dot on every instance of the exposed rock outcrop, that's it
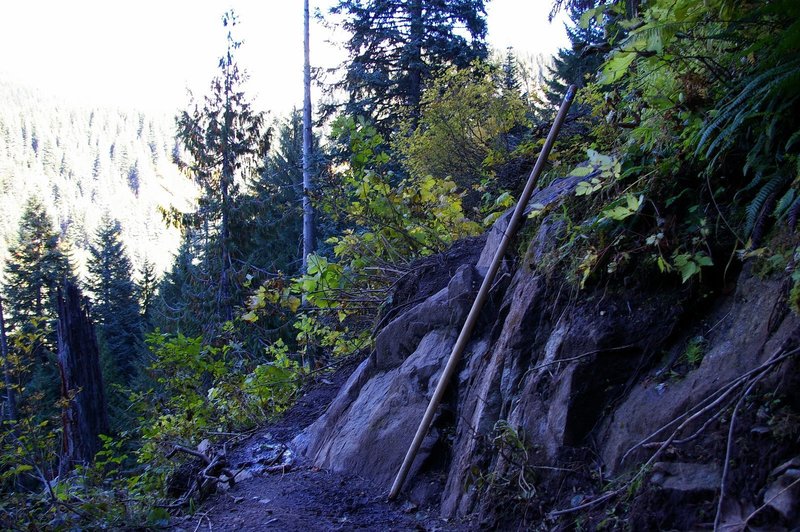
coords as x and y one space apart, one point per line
580 378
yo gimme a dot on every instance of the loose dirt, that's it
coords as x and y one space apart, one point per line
276 491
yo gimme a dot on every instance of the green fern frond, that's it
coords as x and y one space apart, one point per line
754 210
793 139
786 201
776 86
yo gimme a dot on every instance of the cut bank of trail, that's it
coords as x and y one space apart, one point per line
302 497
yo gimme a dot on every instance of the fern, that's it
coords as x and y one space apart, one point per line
755 212
777 87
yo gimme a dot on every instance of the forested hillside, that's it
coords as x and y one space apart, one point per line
628 358
84 162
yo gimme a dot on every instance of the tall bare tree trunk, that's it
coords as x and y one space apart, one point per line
416 64
224 303
308 209
11 394
84 414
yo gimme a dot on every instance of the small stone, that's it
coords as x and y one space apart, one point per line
264 501
409 507
686 477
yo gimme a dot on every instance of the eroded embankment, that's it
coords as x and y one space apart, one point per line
622 394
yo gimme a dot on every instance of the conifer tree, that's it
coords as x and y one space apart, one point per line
147 287
116 305
273 209
510 69
398 45
572 65
225 140
36 266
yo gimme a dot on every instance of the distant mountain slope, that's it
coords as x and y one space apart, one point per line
83 162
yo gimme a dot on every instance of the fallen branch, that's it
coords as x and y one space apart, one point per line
205 481
729 447
758 510
200 522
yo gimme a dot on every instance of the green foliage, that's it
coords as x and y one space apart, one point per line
715 81
694 352
272 207
226 141
519 483
690 265
466 126
693 109
388 220
205 388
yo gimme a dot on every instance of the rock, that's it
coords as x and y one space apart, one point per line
371 433
568 372
686 477
409 507
783 495
540 198
742 340
204 446
369 426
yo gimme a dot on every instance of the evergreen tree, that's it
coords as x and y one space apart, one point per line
510 69
398 45
273 210
572 65
36 266
224 139
180 307
116 304
147 287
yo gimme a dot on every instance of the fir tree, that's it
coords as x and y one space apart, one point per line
224 138
116 305
510 68
147 287
398 45
36 266
273 210
572 65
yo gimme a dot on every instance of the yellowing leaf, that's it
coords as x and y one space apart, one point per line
293 303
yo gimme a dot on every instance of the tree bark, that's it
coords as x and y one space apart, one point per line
84 414
416 64
308 209
11 395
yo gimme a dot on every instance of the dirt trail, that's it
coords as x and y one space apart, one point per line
302 498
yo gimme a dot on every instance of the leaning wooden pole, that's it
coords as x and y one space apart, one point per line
480 299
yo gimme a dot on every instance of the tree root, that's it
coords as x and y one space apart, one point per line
216 470
717 403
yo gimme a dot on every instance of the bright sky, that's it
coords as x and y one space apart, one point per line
146 53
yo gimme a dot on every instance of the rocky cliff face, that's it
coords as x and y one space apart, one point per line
615 401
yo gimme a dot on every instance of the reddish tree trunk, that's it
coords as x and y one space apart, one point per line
11 394
84 414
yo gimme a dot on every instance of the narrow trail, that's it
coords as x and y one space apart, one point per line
299 497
